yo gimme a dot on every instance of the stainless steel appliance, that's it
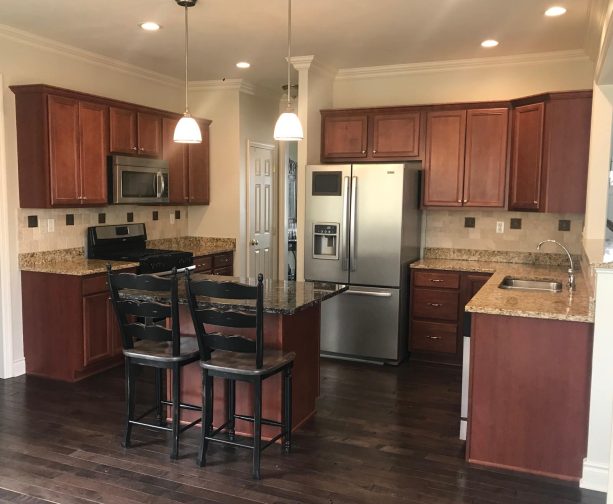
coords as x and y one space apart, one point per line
138 180
363 226
128 242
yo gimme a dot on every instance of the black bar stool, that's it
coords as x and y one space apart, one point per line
148 342
234 357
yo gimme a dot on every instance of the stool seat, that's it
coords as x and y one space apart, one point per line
235 363
161 351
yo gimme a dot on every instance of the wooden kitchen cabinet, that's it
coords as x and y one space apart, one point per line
550 151
62 144
437 317
75 338
466 158
215 264
365 135
135 132
189 177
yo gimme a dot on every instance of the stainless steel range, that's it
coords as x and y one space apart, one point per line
128 242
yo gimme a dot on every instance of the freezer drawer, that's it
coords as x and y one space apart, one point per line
363 323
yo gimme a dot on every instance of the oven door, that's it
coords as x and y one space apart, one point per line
140 182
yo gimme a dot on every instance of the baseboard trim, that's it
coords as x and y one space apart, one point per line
595 476
19 367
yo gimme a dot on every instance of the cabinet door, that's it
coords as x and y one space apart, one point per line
97 344
149 134
396 136
113 328
176 155
198 163
344 136
444 159
486 157
526 157
93 150
123 131
64 150
471 284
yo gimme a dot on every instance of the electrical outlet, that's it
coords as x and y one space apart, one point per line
172 217
500 227
50 225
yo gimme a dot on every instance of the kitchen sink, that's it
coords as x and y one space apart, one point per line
510 282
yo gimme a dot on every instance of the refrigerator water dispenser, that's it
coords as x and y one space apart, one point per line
325 240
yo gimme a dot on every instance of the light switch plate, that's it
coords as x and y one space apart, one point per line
500 227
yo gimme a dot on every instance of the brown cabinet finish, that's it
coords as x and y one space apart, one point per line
149 134
123 131
526 157
395 135
97 336
529 395
203 264
485 164
344 136
176 155
93 151
435 304
439 279
198 162
434 337
444 158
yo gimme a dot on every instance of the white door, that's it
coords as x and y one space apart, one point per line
261 238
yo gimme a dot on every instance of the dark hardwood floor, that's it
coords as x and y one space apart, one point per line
381 435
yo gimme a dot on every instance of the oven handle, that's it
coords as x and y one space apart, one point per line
161 185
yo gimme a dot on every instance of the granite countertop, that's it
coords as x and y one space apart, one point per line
73 261
575 306
280 296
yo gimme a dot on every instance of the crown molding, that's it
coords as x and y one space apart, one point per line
311 63
462 64
49 45
240 85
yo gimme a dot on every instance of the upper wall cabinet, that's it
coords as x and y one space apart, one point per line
550 151
465 158
135 132
62 144
359 135
188 164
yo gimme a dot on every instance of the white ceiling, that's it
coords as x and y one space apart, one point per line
341 33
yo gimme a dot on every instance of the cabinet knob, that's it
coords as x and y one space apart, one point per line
436 280
374 151
363 152
465 201
435 305
536 202
433 337
142 148
134 148
459 201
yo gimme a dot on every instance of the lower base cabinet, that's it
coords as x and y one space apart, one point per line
69 327
217 264
437 318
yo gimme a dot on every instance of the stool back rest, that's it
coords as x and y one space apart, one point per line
145 319
223 293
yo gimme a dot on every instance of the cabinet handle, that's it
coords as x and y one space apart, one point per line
465 201
433 337
134 148
536 202
436 280
374 151
363 152
435 305
459 201
142 149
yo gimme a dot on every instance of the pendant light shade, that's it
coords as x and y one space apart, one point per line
288 127
187 129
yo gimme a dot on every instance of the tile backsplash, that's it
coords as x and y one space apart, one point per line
447 229
70 224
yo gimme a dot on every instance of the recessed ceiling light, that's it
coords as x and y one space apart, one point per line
150 26
555 11
243 64
489 43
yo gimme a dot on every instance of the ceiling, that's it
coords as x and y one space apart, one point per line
341 33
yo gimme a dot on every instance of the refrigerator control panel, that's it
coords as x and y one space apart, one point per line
325 240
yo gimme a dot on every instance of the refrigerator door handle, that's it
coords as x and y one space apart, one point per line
352 254
344 227
367 293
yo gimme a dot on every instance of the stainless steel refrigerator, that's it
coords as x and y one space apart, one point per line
363 228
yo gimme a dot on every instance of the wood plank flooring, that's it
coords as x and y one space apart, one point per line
382 435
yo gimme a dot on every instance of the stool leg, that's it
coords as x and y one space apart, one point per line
159 394
130 388
176 410
207 416
257 429
231 408
287 409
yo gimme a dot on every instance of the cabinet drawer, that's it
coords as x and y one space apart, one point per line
435 304
439 279
227 271
95 284
222 260
434 337
203 264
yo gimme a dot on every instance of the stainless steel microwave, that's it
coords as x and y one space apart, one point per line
138 180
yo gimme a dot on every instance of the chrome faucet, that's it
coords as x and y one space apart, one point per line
571 269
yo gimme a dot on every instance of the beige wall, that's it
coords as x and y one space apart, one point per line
31 61
464 81
445 229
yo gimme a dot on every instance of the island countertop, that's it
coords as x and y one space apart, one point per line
280 296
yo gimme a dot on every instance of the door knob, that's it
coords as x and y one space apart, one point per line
254 242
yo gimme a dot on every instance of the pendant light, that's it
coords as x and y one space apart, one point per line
288 127
187 129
